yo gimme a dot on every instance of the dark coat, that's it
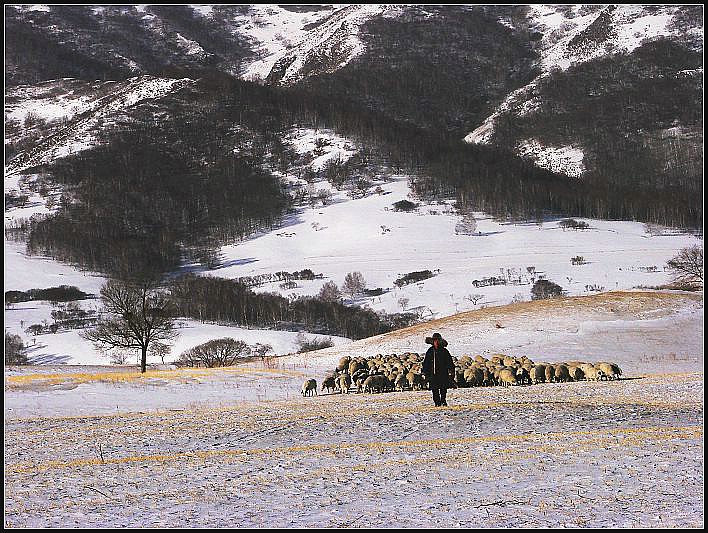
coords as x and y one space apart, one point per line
438 366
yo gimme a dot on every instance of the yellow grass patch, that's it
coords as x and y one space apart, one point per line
607 437
136 377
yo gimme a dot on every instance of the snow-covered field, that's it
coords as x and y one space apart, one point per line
238 447
369 236
624 453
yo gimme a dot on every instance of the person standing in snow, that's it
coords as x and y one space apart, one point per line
438 367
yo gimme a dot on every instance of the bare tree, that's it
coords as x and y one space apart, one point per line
687 265
138 314
161 350
354 284
403 302
330 292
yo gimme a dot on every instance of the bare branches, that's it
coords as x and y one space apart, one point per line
139 314
687 265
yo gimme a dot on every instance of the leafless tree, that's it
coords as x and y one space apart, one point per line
687 265
354 284
136 315
330 292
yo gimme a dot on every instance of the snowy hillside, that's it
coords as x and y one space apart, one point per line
569 37
475 261
63 117
657 332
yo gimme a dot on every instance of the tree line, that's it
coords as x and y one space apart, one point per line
209 298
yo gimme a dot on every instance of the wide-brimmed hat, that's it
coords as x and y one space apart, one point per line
429 340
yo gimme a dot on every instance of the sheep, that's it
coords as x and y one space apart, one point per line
576 374
538 374
415 380
376 383
561 373
611 370
343 363
329 383
344 382
309 387
401 383
550 373
594 374
523 376
507 377
460 379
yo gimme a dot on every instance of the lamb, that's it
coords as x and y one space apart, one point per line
309 387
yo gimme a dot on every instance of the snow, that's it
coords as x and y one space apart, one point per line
333 147
643 331
282 35
203 10
565 159
84 106
23 272
347 236
67 347
274 29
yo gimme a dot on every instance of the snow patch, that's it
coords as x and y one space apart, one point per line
564 159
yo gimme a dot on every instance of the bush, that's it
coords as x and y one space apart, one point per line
413 277
571 223
215 353
15 350
404 205
544 289
310 345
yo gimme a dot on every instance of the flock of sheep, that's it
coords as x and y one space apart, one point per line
382 373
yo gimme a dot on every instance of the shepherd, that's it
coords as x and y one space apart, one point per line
438 367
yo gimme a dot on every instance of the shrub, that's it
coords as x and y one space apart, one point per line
404 205
544 289
413 277
15 350
215 353
571 223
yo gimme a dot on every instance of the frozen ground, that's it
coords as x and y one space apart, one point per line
105 446
606 454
